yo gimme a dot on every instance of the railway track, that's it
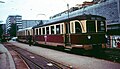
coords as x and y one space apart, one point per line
106 54
112 55
36 61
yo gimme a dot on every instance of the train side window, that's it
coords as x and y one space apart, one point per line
43 31
78 28
31 32
25 32
39 31
52 29
47 30
36 31
28 33
57 29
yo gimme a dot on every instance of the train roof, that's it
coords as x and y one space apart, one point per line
80 17
25 29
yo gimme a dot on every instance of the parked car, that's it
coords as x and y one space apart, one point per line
14 38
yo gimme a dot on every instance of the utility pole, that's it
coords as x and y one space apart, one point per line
1 30
68 18
68 25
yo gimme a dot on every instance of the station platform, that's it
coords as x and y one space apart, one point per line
72 60
6 61
75 61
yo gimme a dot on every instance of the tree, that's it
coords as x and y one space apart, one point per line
13 30
1 30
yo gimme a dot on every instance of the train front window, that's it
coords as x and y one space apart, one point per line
101 26
90 26
78 27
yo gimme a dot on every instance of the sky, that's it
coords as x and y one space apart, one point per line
34 9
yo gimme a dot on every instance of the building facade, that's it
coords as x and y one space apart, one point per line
13 19
109 9
31 23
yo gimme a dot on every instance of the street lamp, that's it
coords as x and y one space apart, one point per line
68 25
41 14
68 18
67 34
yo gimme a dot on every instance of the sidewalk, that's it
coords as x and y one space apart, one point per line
6 61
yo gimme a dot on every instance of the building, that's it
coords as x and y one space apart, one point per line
31 23
109 9
99 1
13 19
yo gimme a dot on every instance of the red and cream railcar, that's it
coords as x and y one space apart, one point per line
24 34
84 31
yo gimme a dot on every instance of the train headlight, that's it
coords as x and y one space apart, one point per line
89 37
106 36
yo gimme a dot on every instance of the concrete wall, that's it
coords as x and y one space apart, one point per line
108 9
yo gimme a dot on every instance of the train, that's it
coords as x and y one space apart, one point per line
78 32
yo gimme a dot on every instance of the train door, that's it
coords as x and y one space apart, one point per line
67 34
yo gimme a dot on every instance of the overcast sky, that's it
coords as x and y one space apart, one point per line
33 9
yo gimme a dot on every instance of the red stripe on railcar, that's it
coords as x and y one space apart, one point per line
39 38
83 39
55 38
77 39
